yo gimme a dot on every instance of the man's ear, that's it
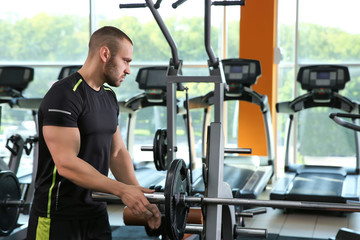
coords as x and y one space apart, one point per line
105 54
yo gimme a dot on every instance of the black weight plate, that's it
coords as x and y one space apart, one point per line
159 150
176 211
152 232
163 149
156 150
9 190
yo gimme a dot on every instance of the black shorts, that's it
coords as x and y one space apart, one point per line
41 228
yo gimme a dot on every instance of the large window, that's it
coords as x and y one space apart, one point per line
317 32
47 35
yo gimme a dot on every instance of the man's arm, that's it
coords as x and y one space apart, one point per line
121 164
122 168
64 146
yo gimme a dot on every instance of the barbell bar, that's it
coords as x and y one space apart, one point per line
226 150
159 198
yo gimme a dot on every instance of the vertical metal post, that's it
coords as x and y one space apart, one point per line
92 17
131 132
171 120
174 66
213 224
213 61
296 69
357 139
219 102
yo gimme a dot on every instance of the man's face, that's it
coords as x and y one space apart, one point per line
119 64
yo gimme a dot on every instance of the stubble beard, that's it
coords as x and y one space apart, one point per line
111 73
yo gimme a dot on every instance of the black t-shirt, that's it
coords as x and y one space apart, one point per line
72 103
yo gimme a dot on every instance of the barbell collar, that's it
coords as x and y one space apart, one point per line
151 148
194 228
251 232
238 150
159 198
147 148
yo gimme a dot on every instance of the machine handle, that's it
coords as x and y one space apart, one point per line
132 5
337 117
178 3
157 4
14 139
228 3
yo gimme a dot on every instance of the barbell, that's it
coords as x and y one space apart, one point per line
159 150
177 201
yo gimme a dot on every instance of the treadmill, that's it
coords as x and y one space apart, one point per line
319 183
13 81
246 175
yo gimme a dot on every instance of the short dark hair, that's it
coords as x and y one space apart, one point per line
107 36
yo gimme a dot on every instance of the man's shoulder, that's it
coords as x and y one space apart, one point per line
109 91
62 90
70 82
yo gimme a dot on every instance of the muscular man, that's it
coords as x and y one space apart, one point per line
79 139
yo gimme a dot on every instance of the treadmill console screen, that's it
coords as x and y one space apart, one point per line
241 71
152 77
323 75
16 78
332 77
238 69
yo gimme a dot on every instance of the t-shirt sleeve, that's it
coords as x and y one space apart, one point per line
61 107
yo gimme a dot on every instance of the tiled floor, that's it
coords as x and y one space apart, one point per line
306 224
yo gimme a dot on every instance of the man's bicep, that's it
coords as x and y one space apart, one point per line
117 143
63 142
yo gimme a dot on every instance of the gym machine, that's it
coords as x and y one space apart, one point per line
246 175
312 182
152 81
13 81
217 217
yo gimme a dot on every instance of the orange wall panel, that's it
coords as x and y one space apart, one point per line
258 41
